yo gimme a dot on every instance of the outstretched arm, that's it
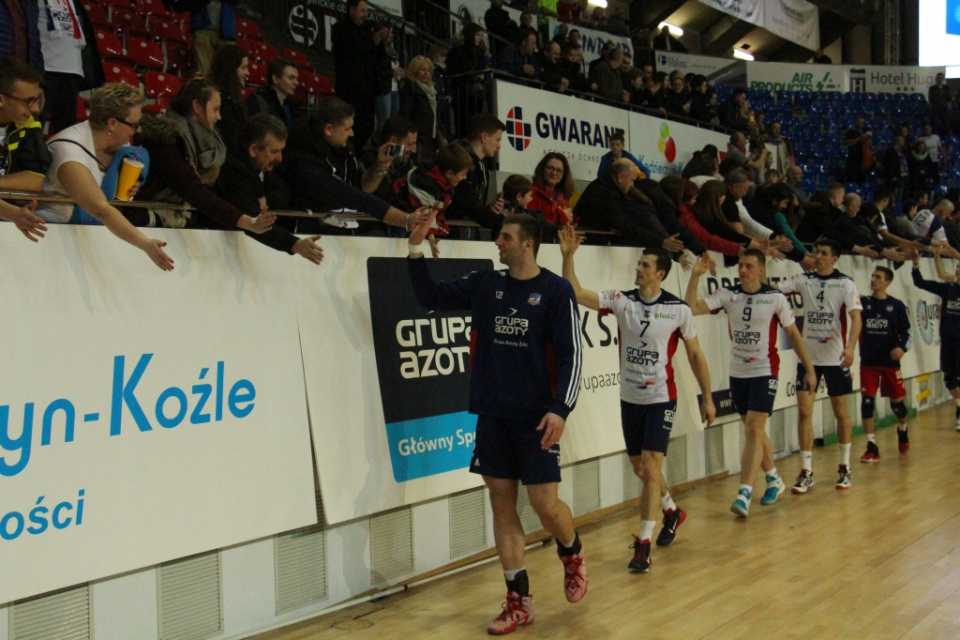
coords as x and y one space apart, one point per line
570 241
700 267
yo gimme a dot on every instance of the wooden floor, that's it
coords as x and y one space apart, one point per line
881 560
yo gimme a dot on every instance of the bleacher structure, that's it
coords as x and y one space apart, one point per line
145 45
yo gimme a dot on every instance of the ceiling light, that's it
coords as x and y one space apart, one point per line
675 31
599 3
742 55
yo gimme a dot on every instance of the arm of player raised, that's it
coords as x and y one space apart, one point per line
700 267
698 364
570 241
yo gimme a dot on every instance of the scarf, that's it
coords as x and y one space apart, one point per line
205 148
62 21
431 92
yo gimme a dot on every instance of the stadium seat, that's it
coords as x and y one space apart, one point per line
96 14
83 108
151 8
120 72
248 29
180 58
297 56
126 21
163 28
246 93
265 52
144 53
157 85
258 74
108 44
121 3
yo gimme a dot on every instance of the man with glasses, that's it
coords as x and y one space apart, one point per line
23 155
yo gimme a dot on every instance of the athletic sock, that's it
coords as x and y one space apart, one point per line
667 503
569 550
646 530
872 437
845 454
749 493
771 477
806 460
518 581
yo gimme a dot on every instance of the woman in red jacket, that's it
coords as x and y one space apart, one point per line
552 188
684 193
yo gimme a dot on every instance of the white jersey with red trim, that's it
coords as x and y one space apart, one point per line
826 302
753 319
649 333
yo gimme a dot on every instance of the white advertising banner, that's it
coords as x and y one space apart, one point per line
593 41
539 122
795 20
786 76
144 416
877 79
664 147
708 66
390 420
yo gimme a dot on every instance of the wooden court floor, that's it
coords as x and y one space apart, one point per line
881 560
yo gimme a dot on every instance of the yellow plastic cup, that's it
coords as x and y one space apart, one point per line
129 174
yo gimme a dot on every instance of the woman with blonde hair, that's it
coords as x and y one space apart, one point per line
418 101
84 154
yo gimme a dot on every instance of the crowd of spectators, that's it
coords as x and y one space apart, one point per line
236 160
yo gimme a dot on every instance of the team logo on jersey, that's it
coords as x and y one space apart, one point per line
889 307
749 300
534 299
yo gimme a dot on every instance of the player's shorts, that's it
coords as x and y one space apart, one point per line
753 394
888 379
839 381
511 450
950 364
646 427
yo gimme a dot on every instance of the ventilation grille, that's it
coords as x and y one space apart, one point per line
528 517
468 523
713 450
300 558
391 545
632 486
677 461
190 598
586 487
65 614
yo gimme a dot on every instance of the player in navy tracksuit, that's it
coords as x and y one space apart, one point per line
883 341
949 326
525 365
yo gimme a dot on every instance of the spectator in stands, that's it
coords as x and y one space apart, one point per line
758 161
243 182
618 22
735 211
677 102
896 168
389 74
770 203
921 178
574 37
24 157
664 41
186 153
794 178
397 130
552 190
683 194
772 176
607 204
212 27
276 98
935 152
546 9
568 11
19 32
437 53
882 199
432 186
418 102
521 59
697 162
551 71
323 173
484 132
939 98
82 155
606 79
616 152
499 24
358 55
783 156
737 150
469 91
733 112
571 67
229 71
526 22
560 37
517 194
608 46
700 108
666 210
710 171
931 225
708 210
854 140
827 220
62 40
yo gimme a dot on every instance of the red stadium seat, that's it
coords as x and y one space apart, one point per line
158 107
324 87
250 46
108 44
263 52
246 93
122 3
258 74
248 29
297 56
144 53
120 72
126 21
157 85
96 14
180 58
83 108
163 28
151 8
